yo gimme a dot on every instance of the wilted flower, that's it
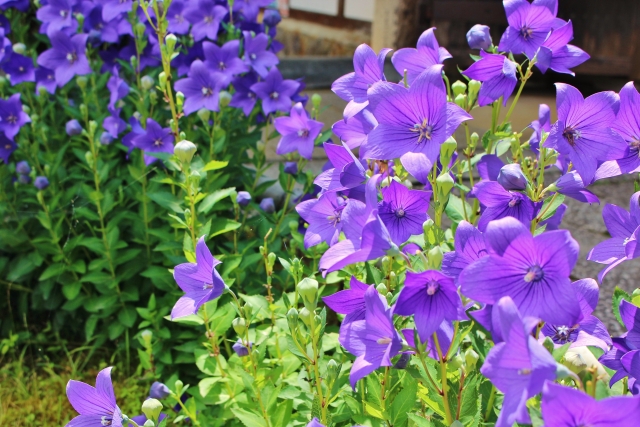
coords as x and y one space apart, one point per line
479 37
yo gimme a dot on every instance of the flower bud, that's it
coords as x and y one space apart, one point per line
305 316
403 361
184 151
23 168
149 423
479 37
456 362
178 386
41 182
308 290
240 326
82 82
159 390
42 91
458 88
240 349
19 48
260 146
381 288
267 204
73 127
224 98
82 108
473 141
333 371
139 29
146 336
446 151
291 168
93 125
461 101
88 156
292 318
170 41
3 81
179 100
512 178
271 17
162 80
434 256
271 259
471 359
474 88
106 138
134 62
146 82
243 198
24 179
444 184
152 408
316 99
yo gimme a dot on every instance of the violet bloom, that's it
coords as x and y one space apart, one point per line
205 15
73 127
23 168
243 198
7 147
489 167
244 97
114 8
201 89
141 419
324 218
519 366
108 32
624 356
627 125
444 334
118 88
251 8
352 87
542 124
178 24
96 405
298 131
315 422
354 131
498 76
271 17
533 271
46 79
374 340
20 69
432 298
268 205
469 246
589 330
623 227
275 92
224 59
414 120
346 175
512 178
566 407
571 184
479 37
5 46
349 302
113 124
290 168
427 53
556 54
529 26
256 54
583 130
12 117
240 349
403 211
57 14
155 139
501 203
159 391
201 282
67 57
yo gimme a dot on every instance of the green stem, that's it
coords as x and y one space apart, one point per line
492 398
445 385
316 371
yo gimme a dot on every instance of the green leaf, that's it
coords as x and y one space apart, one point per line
618 296
53 270
373 410
214 165
115 329
208 202
404 401
71 290
166 200
127 316
419 421
550 206
249 419
374 275
282 414
223 225
558 353
455 210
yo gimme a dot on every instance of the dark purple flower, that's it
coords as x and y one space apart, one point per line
178 24
224 59
7 147
23 168
489 167
241 349
244 97
159 391
414 120
533 271
21 5
271 17
627 125
354 131
96 405
349 301
106 31
427 54
12 117
519 366
243 198
346 175
201 88
256 54
432 298
571 184
155 139
201 282
115 8
118 88
583 130
67 57
469 246
113 124
529 26
498 76
444 334
73 127
291 168
205 15
542 124
500 203
512 178
374 340
556 54
20 69
5 46
479 37
268 205
403 211
275 92
250 8
324 216
298 131
24 179
57 14
45 78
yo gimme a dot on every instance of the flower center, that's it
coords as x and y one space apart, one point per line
158 142
635 146
524 371
432 287
303 133
207 286
222 66
400 213
106 421
253 56
515 201
334 219
423 130
7 147
179 18
208 19
21 69
534 274
571 134
384 341
72 57
526 32
63 13
206 91
12 119
274 95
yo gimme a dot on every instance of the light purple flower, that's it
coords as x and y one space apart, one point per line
498 76
572 185
489 167
224 59
73 127
67 57
5 46
159 391
298 131
624 356
201 89
96 405
268 205
155 139
200 282
479 37
113 124
324 216
529 26
205 15
275 92
500 203
57 15
118 88
556 54
349 302
20 69
347 174
427 53
23 168
256 54
542 124
627 125
469 246
354 131
533 271
101 30
12 117
403 211
243 198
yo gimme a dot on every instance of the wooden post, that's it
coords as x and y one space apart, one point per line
384 28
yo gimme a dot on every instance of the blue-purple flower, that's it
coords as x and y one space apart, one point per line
557 54
479 37
324 216
298 131
205 15
498 76
624 356
529 26
469 246
201 89
67 57
275 92
244 97
224 59
403 211
7 147
256 54
155 139
96 405
426 54
12 117
543 124
20 69
500 203
354 131
627 125
349 302
57 15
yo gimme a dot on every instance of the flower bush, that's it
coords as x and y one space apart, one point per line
457 306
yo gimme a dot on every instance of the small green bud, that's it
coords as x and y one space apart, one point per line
146 336
292 318
179 100
182 136
333 371
42 91
260 146
548 344
139 29
305 316
434 256
461 101
146 82
382 289
178 386
148 423
89 158
19 48
456 362
473 141
446 151
204 115
34 118
152 408
170 40
80 19
293 226
427 226
83 110
224 98
471 359
316 99
184 151
162 80
82 81
134 62
93 126
26 108
444 184
308 290
240 326
271 259
458 88
474 88
153 97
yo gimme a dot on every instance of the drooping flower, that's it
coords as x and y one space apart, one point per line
224 59
627 125
96 405
529 26
201 282
5 46
67 57
256 54
244 97
518 366
201 89
583 130
414 120
427 53
354 131
155 139
479 37
271 17
7 147
572 185
501 203
566 407
12 117
20 69
469 246
275 92
349 302
374 340
324 216
557 54
118 88
498 76
403 211
542 124
298 131
533 271
512 178
432 298
205 16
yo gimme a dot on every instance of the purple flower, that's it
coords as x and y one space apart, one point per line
315 422
553 222
118 88
627 125
106 138
20 69
7 147
489 167
414 120
500 203
256 54
444 334
403 211
354 131
566 407
200 282
155 139
96 405
115 8
557 54
529 26
374 340
73 127
570 184
349 301
224 59
5 46
100 29
298 132
533 271
159 391
113 124
45 78
498 77
67 57
346 175
415 61
512 178
519 366
583 130
290 168
175 15
271 17
432 298
244 97
57 14
205 15
251 8
243 198
240 349
268 205
201 88
352 87
479 37
324 216
624 356
23 168
542 124
469 246
141 419
275 92
623 227
12 117
24 179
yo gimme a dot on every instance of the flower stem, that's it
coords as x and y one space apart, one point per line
445 385
492 398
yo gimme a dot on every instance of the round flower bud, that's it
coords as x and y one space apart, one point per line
458 88
271 17
434 257
42 91
146 336
471 359
333 370
73 127
162 80
474 87
243 198
146 82
106 138
26 108
178 386
461 101
170 40
305 316
19 48
82 81
447 149
308 290
268 205
292 318
204 115
184 151
224 98
444 184
291 168
149 423
152 408
473 143
24 179
179 99
456 362
260 146
512 178
159 391
139 29
23 168
239 325
316 99
41 182
381 288
479 37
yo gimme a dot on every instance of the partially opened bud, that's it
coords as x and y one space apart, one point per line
512 178
243 198
152 408
479 37
184 151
